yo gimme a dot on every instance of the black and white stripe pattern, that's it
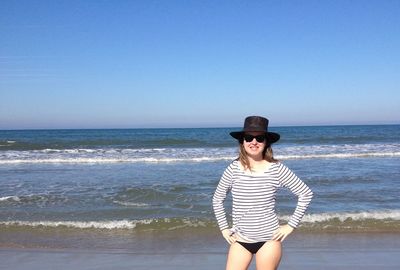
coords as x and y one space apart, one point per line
253 208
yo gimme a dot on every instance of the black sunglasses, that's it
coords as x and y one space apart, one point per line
250 138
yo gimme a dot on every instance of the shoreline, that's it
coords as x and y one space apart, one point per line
301 251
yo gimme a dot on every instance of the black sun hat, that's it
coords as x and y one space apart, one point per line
256 124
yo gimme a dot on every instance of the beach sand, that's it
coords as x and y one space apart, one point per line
301 251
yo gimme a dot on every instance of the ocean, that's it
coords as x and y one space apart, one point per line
62 186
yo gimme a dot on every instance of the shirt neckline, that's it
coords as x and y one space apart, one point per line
260 173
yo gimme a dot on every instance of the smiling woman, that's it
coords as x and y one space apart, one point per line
254 179
247 145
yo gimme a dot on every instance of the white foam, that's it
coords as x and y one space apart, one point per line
109 225
120 224
7 143
131 204
171 160
169 155
342 155
343 216
7 198
393 215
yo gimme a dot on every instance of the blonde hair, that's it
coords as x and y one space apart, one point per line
267 153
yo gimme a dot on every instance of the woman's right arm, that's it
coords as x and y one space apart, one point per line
224 186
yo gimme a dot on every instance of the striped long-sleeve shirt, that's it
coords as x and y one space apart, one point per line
253 204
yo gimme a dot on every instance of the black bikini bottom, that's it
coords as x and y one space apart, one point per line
252 247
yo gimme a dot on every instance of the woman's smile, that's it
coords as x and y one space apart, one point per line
253 147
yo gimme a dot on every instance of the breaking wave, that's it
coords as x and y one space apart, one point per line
169 155
378 221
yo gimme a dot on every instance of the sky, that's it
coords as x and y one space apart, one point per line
166 63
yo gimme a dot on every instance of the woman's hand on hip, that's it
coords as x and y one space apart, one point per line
282 232
229 236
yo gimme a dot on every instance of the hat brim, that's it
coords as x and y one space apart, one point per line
272 137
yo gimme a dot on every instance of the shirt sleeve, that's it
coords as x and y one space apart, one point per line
224 186
289 180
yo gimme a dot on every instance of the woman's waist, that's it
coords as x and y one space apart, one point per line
246 236
254 213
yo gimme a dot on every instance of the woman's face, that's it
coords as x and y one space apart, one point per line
254 144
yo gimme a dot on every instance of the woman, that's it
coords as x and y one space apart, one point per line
254 179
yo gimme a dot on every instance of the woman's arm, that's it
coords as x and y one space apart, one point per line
289 180
220 193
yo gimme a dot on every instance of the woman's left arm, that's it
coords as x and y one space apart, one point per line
289 180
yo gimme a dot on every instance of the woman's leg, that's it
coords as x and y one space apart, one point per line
269 256
239 258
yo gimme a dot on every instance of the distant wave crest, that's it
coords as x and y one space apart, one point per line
166 155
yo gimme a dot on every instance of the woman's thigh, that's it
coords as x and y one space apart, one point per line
239 258
269 256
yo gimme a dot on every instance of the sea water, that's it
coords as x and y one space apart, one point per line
141 180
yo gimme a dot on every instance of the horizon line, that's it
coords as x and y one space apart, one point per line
195 127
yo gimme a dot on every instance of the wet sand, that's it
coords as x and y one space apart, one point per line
301 251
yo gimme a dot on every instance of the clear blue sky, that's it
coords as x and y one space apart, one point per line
127 64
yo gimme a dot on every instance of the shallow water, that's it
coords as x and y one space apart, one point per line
164 179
